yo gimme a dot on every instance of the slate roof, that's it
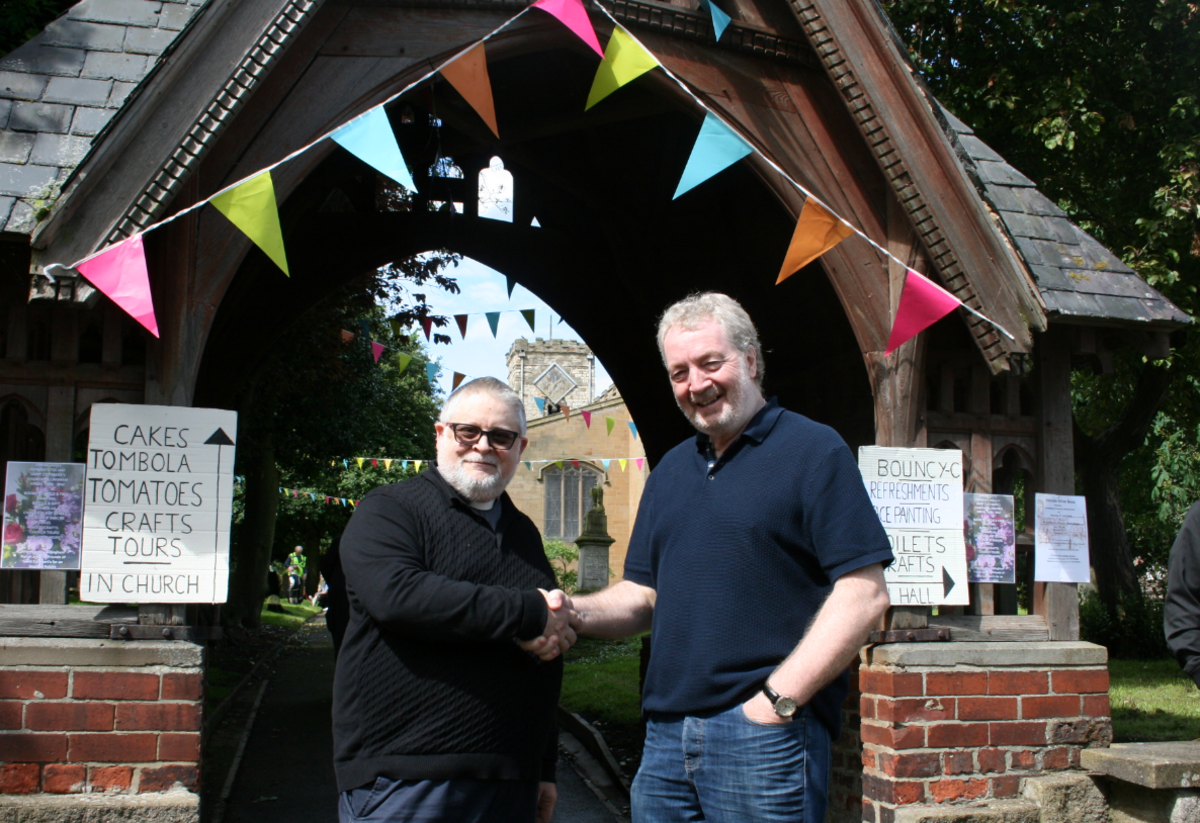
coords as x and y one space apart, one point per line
1078 278
59 91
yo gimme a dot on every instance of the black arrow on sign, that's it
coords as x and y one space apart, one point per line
218 438
947 583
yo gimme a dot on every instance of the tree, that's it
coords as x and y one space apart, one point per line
317 398
1098 103
22 19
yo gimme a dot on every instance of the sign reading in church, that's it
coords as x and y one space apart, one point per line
157 504
918 495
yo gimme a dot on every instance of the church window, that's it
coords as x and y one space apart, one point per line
568 498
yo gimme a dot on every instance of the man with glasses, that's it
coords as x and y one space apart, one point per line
450 670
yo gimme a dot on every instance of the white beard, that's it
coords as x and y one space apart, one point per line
476 487
732 418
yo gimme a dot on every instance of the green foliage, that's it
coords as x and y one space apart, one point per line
600 680
20 20
1134 631
294 615
561 555
1152 700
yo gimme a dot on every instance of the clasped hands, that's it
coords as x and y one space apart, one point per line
561 622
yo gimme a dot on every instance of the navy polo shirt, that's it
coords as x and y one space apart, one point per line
742 551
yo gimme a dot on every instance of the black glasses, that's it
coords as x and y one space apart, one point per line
468 435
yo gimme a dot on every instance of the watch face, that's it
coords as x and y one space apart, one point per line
785 707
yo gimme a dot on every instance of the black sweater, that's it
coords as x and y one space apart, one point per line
1181 612
429 683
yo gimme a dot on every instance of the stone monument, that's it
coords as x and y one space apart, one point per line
593 543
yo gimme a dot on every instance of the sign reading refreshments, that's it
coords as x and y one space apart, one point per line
918 495
157 504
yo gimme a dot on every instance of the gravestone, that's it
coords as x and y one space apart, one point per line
593 544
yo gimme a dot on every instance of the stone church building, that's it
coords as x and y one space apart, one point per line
556 497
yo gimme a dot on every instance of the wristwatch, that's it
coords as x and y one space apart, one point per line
784 706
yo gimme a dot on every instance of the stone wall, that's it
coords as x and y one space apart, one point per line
961 722
571 356
81 716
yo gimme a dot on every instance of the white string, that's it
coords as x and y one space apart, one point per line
682 85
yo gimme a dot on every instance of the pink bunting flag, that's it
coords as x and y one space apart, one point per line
587 418
120 274
922 303
374 463
574 16
377 350
639 462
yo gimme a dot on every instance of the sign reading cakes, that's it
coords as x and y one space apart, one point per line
918 495
157 504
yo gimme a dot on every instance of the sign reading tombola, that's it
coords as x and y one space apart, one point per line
157 504
918 495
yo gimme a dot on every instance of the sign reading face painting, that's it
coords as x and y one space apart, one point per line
918 495
157 504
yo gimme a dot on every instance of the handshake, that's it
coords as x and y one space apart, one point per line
562 621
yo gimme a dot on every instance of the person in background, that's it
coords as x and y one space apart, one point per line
297 559
1181 611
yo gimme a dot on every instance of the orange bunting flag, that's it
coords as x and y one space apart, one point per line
469 75
817 232
347 336
566 410
458 378
461 320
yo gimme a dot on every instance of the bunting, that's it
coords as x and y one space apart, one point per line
573 15
120 274
427 326
541 404
719 18
458 378
252 208
370 138
529 315
717 148
431 371
566 410
610 422
469 76
922 303
404 359
461 320
512 284
587 418
493 318
817 231
625 60
633 428
377 350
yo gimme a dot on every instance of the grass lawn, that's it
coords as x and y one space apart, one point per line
294 616
600 683
1152 700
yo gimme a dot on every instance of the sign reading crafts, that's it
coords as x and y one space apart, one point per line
157 504
918 495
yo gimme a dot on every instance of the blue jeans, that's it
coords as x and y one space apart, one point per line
725 768
433 801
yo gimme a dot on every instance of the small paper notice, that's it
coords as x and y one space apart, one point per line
991 538
1060 547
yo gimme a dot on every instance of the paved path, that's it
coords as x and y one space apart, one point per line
286 773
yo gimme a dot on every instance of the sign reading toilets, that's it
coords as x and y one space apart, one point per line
157 504
918 495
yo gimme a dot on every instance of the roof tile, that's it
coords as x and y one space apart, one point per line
77 91
1004 199
1002 173
1050 277
89 121
111 66
36 58
1026 225
148 41
125 12
27 180
5 110
21 218
6 204
979 150
15 147
20 86
59 150
84 35
1038 203
40 117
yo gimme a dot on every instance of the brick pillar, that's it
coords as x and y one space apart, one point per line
946 723
96 717
845 779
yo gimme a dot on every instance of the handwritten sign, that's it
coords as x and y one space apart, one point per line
43 516
918 495
157 504
991 538
1060 539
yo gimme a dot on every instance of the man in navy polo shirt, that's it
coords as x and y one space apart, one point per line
758 555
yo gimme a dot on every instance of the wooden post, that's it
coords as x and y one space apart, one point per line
1059 602
983 595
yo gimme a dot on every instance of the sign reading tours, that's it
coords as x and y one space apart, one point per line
43 516
157 504
918 495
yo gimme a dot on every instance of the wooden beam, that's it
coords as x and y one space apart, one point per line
62 621
998 628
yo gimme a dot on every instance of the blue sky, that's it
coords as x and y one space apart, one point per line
483 290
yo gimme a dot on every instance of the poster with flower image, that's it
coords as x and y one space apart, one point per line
990 537
43 516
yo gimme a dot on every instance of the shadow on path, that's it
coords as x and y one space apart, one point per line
286 772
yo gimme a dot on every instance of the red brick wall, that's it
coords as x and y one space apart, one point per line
125 729
956 734
845 779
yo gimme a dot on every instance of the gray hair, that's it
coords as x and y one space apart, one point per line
485 385
695 310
